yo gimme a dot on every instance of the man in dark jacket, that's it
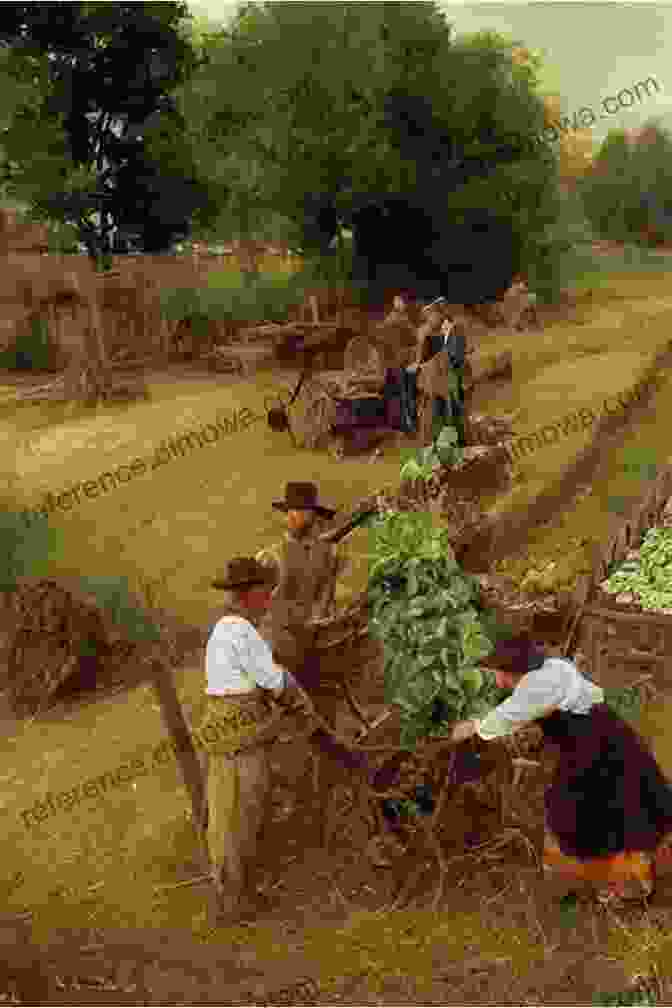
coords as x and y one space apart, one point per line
444 330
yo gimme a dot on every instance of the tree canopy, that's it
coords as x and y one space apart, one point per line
628 193
331 114
86 79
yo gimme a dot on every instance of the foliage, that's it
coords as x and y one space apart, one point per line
113 596
331 268
379 121
63 238
626 702
87 81
444 450
425 611
628 194
632 997
233 296
264 295
25 551
31 350
647 574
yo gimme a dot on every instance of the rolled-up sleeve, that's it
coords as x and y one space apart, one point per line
535 696
259 661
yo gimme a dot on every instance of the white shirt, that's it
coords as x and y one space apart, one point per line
238 659
557 685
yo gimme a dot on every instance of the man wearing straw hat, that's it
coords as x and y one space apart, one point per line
242 679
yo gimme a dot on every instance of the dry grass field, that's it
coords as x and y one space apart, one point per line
98 865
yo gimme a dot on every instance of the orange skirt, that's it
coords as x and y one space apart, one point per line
628 875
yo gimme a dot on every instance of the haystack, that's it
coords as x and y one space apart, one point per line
62 642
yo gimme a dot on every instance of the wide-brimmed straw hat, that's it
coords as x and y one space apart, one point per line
517 654
302 497
245 572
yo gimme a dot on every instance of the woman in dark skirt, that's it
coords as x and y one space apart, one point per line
609 807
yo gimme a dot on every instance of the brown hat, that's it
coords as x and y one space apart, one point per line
245 572
517 654
302 497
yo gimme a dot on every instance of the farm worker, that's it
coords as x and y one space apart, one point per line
428 331
444 330
396 337
609 807
241 679
305 570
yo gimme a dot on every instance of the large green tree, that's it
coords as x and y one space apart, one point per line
329 115
92 76
628 193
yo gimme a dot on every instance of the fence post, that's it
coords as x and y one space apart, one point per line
173 717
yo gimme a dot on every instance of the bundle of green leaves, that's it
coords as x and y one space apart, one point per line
648 574
444 451
426 612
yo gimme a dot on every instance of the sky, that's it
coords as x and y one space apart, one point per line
591 51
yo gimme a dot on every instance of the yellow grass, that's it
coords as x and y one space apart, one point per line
183 522
568 369
187 518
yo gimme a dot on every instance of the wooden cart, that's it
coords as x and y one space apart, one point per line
320 415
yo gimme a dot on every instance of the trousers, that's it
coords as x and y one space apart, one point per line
238 796
238 792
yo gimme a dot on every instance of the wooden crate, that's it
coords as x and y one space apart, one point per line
621 647
622 642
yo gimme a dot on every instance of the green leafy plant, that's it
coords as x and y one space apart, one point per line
568 910
234 297
633 997
114 597
647 575
640 465
25 551
31 350
425 610
626 702
445 450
